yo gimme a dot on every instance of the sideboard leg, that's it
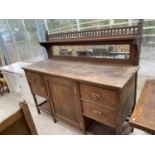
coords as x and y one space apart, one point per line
132 130
84 132
54 119
36 103
119 131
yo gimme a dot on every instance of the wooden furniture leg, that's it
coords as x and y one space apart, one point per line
38 110
36 103
52 109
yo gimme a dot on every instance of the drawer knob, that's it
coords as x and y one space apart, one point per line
95 96
97 113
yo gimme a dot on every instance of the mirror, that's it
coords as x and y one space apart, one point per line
96 51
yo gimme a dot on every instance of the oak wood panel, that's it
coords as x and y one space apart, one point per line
63 92
128 89
34 78
38 89
126 109
36 83
143 116
125 102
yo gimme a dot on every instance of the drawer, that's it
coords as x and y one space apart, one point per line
100 114
36 83
38 89
98 95
34 78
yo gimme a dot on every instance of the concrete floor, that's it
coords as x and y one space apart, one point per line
44 123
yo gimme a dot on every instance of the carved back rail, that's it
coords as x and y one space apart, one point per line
133 30
97 33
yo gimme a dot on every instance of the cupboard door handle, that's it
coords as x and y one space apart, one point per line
97 113
95 96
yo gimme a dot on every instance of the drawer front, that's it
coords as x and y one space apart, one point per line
98 95
36 83
38 89
100 114
34 78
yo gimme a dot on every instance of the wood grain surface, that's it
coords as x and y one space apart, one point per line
143 116
107 75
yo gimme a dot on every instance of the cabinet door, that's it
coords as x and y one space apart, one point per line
65 100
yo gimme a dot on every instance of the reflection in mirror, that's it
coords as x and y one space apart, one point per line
96 51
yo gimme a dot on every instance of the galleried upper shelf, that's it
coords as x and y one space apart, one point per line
111 45
119 33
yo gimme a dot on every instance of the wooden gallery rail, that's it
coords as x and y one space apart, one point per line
93 94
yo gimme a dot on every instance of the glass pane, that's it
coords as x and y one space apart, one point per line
61 25
11 51
93 23
19 39
7 37
96 51
34 35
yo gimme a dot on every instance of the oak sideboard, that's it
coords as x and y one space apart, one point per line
89 79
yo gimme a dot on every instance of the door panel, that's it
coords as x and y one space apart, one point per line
62 92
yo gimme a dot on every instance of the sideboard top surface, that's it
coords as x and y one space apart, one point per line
106 75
